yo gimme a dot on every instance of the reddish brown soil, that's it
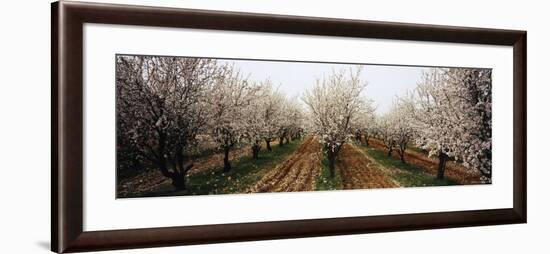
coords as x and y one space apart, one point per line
150 180
216 160
297 173
146 181
453 171
359 171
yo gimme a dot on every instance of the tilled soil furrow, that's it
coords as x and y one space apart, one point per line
297 173
358 171
273 179
313 174
291 178
306 175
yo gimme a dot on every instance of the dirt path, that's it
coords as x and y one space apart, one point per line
361 172
453 171
297 173
216 160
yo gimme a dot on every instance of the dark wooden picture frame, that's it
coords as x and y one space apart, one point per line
67 233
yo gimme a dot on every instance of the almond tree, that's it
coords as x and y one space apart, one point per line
257 127
295 119
364 126
453 116
290 120
284 122
334 104
272 111
160 110
386 133
228 100
400 127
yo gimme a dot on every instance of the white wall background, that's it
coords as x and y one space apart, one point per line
25 125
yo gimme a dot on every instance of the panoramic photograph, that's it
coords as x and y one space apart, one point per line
210 126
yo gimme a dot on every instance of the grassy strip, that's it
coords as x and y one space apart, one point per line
244 173
324 181
201 153
418 150
409 175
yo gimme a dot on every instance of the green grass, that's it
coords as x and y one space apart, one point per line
409 175
418 150
324 181
389 162
200 153
244 173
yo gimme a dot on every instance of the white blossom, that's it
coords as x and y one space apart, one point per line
334 104
452 113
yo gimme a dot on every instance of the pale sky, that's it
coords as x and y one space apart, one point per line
293 78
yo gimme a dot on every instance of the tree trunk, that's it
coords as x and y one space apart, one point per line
331 162
136 164
226 164
358 136
281 141
268 144
441 167
366 140
255 151
178 181
180 172
390 150
402 149
164 168
161 160
179 160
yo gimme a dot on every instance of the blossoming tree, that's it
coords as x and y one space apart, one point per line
228 100
453 116
272 107
334 104
399 127
365 125
160 109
